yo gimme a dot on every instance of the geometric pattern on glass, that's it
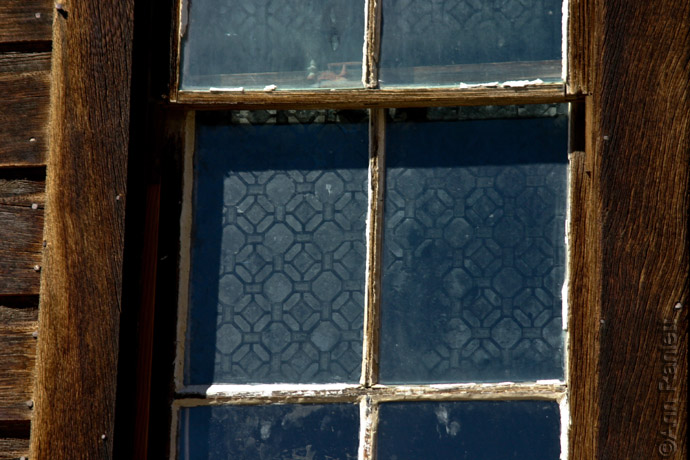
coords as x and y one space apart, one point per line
294 44
278 247
277 432
487 430
437 42
474 246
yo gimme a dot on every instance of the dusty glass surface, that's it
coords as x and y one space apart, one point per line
474 252
293 44
278 247
284 432
477 430
448 42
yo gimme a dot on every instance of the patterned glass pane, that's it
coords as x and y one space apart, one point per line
474 237
278 247
293 44
448 42
285 432
481 430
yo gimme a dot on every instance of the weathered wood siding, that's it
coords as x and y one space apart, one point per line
25 21
25 59
21 227
25 83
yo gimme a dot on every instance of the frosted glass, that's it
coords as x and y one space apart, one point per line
284 432
278 247
448 42
474 245
293 44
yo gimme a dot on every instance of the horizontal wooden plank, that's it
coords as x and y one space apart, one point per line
18 359
14 448
371 98
21 224
25 80
22 192
26 20
21 219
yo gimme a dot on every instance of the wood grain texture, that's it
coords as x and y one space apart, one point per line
373 98
583 296
85 207
24 107
641 144
17 363
25 20
21 224
580 46
14 448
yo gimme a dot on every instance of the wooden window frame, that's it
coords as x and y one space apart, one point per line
629 286
369 393
370 95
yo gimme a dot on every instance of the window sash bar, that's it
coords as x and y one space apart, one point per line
370 348
202 395
372 43
375 98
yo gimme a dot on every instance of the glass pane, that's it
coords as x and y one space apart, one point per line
448 42
477 430
290 432
474 237
293 44
278 247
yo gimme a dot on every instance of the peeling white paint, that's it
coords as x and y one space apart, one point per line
564 40
521 83
217 89
365 428
565 426
492 84
267 390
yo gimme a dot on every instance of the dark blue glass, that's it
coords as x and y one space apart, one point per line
474 245
292 431
469 430
278 247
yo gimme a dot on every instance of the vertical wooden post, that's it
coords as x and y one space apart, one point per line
641 140
84 231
